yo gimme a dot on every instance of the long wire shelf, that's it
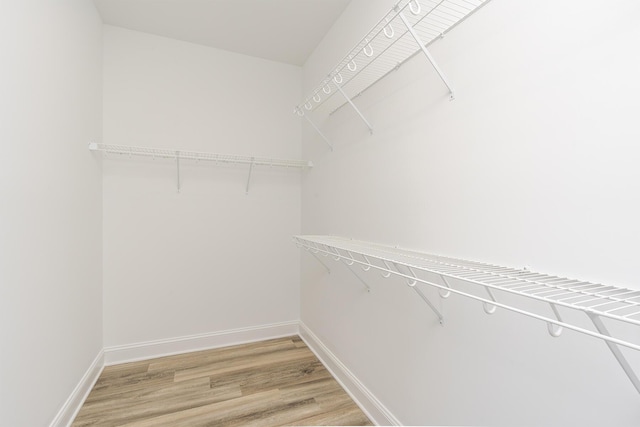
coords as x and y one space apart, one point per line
597 301
407 29
177 155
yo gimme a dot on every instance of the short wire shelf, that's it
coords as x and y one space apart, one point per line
177 155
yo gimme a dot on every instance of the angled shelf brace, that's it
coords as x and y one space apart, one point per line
163 153
406 30
597 301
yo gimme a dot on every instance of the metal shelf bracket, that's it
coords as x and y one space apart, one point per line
424 50
355 108
313 125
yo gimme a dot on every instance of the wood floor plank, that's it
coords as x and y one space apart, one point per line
216 413
242 363
133 382
282 413
252 380
200 358
351 416
176 397
269 383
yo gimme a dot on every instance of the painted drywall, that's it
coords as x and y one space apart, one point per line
208 258
50 205
533 164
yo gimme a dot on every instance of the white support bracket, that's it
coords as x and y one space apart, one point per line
249 177
412 284
602 329
354 107
313 125
321 262
178 169
426 53
366 285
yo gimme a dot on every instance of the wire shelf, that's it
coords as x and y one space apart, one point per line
595 300
178 155
388 45
198 156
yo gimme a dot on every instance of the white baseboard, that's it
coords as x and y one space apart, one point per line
152 349
70 409
369 404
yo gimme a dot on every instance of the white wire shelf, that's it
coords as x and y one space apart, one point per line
407 29
597 301
177 155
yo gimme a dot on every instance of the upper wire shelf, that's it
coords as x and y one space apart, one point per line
391 42
178 155
597 301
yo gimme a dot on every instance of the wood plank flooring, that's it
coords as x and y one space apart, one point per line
269 383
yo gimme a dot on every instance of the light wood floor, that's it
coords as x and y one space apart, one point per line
269 383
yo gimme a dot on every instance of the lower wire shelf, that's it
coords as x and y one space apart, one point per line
597 301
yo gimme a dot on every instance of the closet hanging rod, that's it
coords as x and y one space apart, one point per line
198 156
597 301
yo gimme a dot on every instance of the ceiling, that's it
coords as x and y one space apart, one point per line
279 30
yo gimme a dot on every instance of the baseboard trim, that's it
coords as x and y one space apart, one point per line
159 348
70 409
364 398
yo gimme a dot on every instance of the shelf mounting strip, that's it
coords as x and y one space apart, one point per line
597 301
164 153
406 30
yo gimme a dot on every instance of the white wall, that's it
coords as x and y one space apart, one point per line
50 205
534 163
209 258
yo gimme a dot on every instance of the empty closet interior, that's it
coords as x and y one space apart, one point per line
440 197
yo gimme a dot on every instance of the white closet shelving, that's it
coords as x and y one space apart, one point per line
450 275
407 29
177 155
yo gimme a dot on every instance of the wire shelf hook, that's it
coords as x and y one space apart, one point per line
489 308
326 89
367 45
554 329
413 282
338 80
389 34
337 255
386 273
352 61
308 106
368 266
418 8
442 292
316 97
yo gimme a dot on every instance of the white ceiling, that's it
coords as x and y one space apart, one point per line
279 30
